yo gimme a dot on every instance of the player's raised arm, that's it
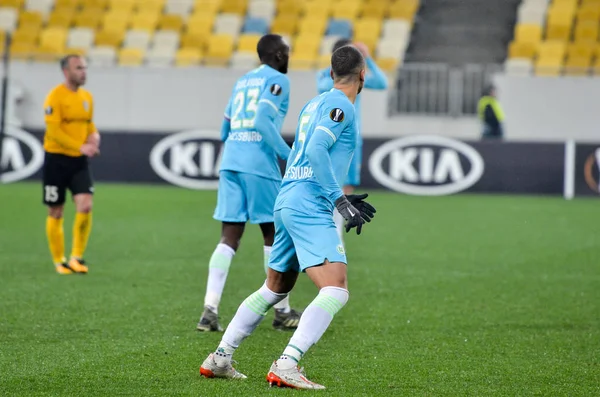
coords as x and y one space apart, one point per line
267 112
324 81
375 78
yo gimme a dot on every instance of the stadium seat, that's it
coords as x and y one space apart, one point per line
188 56
244 61
144 21
255 25
26 36
115 22
349 10
374 9
131 57
312 26
528 33
61 18
197 40
102 4
247 43
558 32
137 39
323 61
220 49
8 18
390 49
522 49
124 6
575 66
285 24
182 8
234 7
166 39
388 64
109 38
518 67
395 28
160 57
314 9
43 6
53 39
22 51
405 9
302 61
588 14
150 6
31 18
89 18
264 9
12 3
586 31
367 29
47 54
339 28
171 22
68 3
548 66
307 45
200 23
81 38
102 56
551 49
206 7
327 44
229 24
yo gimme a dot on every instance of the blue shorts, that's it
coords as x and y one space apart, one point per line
242 197
303 241
353 177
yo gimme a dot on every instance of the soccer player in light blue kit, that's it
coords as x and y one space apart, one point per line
306 238
250 177
374 80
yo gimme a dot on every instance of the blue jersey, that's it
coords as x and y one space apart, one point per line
375 79
251 129
323 148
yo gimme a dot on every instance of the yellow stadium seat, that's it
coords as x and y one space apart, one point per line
565 3
103 4
580 50
552 49
197 40
289 7
26 36
560 16
12 3
285 24
522 50
548 66
200 23
577 66
234 7
171 22
299 61
388 64
122 5
586 31
89 18
558 32
248 42
324 61
53 39
207 6
75 50
22 51
61 18
144 21
187 56
109 38
31 18
349 10
47 54
316 10
367 29
588 14
220 49
313 26
375 9
528 33
68 3
307 44
404 9
150 6
116 22
131 57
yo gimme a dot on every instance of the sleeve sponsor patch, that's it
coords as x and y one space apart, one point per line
276 89
48 110
337 115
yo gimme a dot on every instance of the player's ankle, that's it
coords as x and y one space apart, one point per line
286 362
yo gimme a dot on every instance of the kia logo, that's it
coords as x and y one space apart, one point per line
426 165
188 159
22 155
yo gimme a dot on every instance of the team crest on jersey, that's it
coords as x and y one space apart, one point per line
337 115
276 89
340 249
86 105
48 110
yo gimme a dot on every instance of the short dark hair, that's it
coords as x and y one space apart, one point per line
340 43
268 45
64 61
347 61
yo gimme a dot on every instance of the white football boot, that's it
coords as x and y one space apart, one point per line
293 377
210 369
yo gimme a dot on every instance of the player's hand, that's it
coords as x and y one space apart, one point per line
352 216
367 211
364 50
89 149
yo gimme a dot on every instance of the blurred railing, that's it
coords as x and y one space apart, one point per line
440 89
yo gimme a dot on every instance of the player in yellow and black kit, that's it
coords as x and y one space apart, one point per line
71 138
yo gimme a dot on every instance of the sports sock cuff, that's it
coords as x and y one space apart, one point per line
225 250
331 299
262 300
267 249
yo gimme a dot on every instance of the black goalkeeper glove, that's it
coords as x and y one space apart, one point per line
350 214
367 211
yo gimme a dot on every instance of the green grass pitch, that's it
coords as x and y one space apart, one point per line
466 295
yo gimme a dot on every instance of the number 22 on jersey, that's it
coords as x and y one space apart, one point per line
248 102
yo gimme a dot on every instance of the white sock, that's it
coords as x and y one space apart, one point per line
218 267
284 305
313 323
246 319
339 224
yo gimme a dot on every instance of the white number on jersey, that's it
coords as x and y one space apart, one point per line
248 99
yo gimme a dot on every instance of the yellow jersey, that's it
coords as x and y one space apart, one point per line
68 117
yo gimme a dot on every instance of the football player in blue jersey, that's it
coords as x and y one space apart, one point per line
306 238
249 176
375 79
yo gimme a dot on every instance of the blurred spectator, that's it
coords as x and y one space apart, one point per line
491 114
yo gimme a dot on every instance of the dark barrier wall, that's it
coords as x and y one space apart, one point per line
422 165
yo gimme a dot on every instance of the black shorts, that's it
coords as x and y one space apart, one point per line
62 172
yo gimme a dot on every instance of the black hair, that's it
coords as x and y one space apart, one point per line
64 61
340 43
487 91
347 61
268 46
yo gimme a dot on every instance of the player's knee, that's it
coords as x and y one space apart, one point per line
85 207
341 295
56 211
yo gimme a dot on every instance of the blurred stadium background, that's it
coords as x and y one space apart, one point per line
492 291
